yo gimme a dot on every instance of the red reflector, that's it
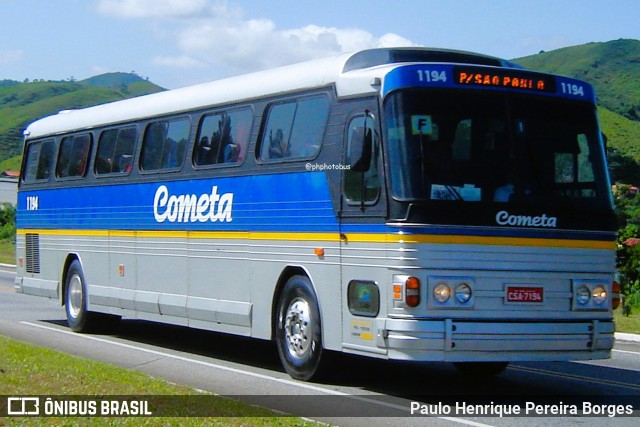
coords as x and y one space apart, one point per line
525 294
615 287
615 297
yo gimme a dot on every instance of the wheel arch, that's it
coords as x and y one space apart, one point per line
287 273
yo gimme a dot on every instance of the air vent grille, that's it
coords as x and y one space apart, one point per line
33 253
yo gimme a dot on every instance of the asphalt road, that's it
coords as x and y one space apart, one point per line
357 392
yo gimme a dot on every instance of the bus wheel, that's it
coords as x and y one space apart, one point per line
481 369
298 332
78 318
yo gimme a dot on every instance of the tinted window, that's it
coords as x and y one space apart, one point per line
494 148
73 156
359 184
223 138
294 130
115 151
164 145
39 160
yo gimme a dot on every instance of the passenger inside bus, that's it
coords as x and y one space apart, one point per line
204 151
279 147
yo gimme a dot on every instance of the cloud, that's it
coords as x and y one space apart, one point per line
219 36
150 8
11 56
249 44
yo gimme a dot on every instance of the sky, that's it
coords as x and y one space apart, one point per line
177 43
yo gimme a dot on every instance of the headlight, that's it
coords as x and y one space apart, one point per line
599 295
583 295
451 292
463 293
441 292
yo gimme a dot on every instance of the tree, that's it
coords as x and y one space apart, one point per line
627 201
7 221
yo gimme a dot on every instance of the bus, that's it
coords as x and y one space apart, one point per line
406 204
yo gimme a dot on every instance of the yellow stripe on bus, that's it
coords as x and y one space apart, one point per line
501 241
334 237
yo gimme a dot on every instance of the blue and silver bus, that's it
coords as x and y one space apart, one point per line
404 204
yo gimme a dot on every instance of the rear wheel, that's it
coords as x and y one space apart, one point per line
78 318
298 329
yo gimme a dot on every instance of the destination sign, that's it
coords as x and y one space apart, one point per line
462 76
512 79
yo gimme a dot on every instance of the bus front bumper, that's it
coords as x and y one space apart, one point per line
497 340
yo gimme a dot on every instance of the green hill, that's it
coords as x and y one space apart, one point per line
613 68
22 103
112 80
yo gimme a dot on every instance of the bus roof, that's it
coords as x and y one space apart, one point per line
351 73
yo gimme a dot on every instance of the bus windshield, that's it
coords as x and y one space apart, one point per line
498 148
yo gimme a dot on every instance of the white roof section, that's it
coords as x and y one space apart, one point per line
306 75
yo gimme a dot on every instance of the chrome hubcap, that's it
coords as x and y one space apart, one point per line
74 296
297 328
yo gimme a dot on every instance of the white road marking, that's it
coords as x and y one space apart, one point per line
626 352
576 377
251 374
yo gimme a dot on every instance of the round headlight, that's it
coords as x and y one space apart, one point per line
463 293
599 295
441 292
583 295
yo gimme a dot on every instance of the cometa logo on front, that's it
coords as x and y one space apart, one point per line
504 218
191 207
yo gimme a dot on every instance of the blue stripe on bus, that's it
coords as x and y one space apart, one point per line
284 202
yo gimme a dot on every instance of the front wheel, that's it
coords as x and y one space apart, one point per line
298 329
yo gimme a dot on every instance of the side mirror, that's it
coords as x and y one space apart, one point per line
360 150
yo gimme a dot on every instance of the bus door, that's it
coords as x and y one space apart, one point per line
362 218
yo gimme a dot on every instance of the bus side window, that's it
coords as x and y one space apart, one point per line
115 151
308 127
276 142
106 146
39 160
223 138
294 130
164 145
73 156
125 146
354 181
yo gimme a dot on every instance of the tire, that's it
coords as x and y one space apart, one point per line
480 370
78 318
298 329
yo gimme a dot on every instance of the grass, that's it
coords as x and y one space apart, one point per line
12 164
631 324
7 252
30 370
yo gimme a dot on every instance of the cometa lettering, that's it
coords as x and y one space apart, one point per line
211 207
504 218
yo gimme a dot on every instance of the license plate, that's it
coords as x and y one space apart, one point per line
525 294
